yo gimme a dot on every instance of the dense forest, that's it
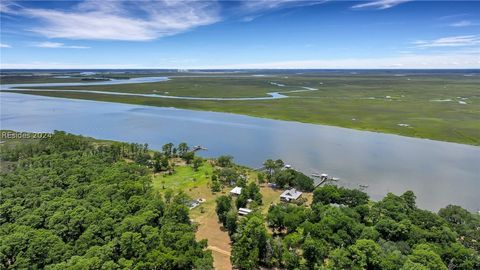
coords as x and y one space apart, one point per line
69 203
343 229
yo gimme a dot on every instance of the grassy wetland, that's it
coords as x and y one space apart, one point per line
434 106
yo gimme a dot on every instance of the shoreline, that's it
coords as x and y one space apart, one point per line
386 132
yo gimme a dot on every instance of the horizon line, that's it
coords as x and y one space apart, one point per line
200 69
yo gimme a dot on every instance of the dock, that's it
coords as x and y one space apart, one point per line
322 178
198 148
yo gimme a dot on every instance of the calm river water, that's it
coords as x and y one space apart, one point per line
439 173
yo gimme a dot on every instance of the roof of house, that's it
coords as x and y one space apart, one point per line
236 190
291 194
244 211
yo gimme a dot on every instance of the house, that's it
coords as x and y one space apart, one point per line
236 191
244 211
290 195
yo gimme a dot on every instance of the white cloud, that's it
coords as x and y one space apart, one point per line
124 20
380 4
259 5
455 41
9 7
3 45
460 60
140 20
54 45
410 61
463 23
57 65
252 9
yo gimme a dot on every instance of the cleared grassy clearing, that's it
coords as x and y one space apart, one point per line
184 178
204 215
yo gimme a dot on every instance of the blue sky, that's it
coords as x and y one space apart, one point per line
240 34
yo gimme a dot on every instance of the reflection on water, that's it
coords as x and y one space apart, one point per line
13 87
439 173
109 82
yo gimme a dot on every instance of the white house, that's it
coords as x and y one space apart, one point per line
236 191
290 195
244 211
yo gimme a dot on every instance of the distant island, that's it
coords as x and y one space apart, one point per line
72 202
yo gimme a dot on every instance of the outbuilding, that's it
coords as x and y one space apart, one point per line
244 211
236 191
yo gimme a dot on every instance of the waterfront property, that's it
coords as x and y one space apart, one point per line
384 162
290 195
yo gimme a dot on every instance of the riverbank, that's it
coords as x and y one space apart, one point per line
387 163
435 106
411 117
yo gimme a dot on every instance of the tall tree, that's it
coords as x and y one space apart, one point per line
168 149
182 149
269 165
225 161
250 243
224 204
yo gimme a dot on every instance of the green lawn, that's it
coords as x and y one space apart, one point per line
184 178
430 105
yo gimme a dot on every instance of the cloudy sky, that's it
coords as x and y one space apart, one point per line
240 34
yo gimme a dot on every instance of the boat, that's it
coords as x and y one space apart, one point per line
199 147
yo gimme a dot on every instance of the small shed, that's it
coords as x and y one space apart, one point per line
244 211
290 195
236 191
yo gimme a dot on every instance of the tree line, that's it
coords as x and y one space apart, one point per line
69 203
285 177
